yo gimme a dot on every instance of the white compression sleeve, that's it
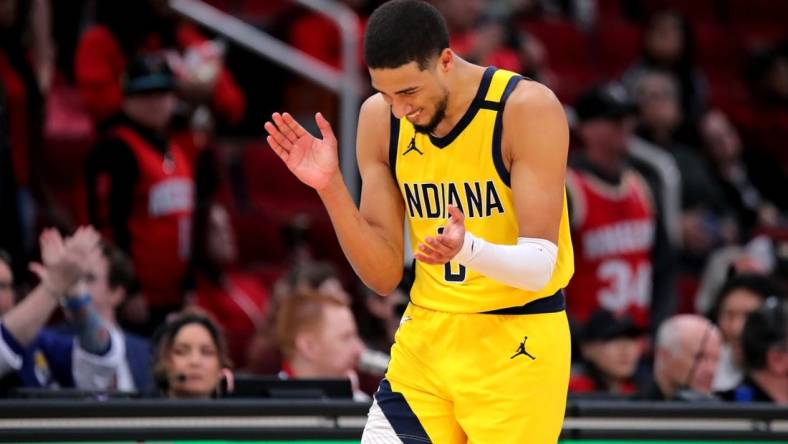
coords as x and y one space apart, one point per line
528 265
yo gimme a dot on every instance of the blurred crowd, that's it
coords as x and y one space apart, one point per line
151 244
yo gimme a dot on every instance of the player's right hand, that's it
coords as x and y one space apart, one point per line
313 161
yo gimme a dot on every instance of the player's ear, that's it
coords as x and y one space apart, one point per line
446 60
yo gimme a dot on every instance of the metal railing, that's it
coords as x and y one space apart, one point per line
345 82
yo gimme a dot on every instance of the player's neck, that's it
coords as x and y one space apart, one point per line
463 85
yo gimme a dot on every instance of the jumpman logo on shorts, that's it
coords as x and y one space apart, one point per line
521 350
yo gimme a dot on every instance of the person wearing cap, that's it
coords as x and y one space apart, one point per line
141 186
611 349
614 216
765 346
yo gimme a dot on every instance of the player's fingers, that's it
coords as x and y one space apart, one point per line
441 247
284 128
426 259
456 214
277 148
325 127
294 126
449 244
278 136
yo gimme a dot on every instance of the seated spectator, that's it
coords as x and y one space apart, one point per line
109 281
765 346
686 357
34 357
706 222
263 355
611 349
668 45
141 187
237 299
7 295
752 196
191 359
318 338
739 297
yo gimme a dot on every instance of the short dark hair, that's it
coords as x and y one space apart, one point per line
403 31
765 328
760 285
120 271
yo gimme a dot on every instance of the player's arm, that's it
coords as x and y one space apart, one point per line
371 237
535 145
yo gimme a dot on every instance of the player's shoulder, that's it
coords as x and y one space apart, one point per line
375 110
531 98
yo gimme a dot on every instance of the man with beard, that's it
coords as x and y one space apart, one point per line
477 156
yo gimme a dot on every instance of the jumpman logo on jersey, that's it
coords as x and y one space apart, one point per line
412 147
521 350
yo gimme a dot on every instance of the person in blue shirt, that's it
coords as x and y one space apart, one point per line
34 357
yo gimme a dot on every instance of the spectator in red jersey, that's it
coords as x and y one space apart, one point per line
237 300
620 265
611 349
125 30
141 187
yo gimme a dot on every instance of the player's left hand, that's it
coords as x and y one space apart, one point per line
443 247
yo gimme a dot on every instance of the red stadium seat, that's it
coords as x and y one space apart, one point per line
617 42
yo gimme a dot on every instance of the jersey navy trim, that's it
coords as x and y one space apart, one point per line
396 409
481 93
549 304
497 151
393 141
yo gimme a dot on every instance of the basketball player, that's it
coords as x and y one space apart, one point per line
475 157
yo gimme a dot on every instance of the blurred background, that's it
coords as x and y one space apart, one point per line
145 120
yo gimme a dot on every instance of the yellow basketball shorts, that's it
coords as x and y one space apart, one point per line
473 378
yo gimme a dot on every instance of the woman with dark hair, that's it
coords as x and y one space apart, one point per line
668 45
739 297
191 358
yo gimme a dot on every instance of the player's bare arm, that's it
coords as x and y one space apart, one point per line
535 147
371 236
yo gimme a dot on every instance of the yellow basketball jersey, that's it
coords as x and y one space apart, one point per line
465 168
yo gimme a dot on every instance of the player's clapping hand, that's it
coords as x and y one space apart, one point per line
313 161
64 261
443 247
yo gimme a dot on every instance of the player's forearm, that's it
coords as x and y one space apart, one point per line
375 259
28 317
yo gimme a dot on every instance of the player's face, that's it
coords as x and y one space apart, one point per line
420 96
195 356
338 342
616 358
7 298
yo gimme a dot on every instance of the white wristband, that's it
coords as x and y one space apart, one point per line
528 265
